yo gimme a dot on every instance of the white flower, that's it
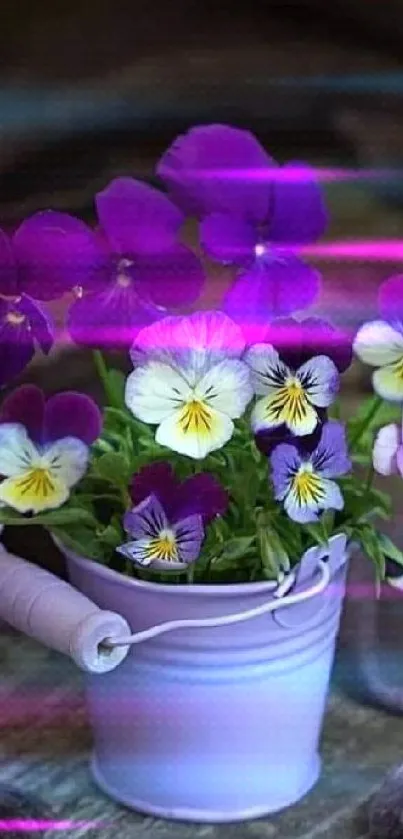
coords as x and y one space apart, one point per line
380 344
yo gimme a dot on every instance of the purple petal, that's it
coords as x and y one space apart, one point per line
269 289
41 326
146 520
26 405
8 267
170 279
266 441
285 461
298 215
297 342
189 534
331 458
22 322
390 299
137 218
111 318
200 495
56 252
155 479
72 414
227 238
218 168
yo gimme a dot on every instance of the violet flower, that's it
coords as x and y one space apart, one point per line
302 480
127 273
44 447
24 324
167 521
254 214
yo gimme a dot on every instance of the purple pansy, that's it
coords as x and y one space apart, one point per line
167 521
127 273
254 214
302 480
24 324
44 447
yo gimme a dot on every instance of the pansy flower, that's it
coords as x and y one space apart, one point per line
44 447
127 273
387 455
24 323
302 481
297 342
379 343
167 521
254 214
190 381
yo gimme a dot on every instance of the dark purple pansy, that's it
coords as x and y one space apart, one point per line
266 441
299 341
390 299
24 323
66 414
200 495
127 273
254 214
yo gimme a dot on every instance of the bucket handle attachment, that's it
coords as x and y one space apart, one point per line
227 620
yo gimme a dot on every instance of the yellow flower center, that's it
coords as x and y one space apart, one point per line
37 482
289 404
398 368
307 486
196 418
15 318
163 547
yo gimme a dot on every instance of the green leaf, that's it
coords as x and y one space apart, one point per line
63 516
81 540
111 536
389 549
317 532
114 468
116 386
371 546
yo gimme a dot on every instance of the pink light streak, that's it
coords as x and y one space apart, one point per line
368 250
37 825
296 174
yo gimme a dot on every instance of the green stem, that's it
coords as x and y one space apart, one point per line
366 421
370 478
102 371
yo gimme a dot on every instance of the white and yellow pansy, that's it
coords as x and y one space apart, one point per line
38 478
380 344
191 381
290 397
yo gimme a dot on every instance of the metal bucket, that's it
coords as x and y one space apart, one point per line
215 715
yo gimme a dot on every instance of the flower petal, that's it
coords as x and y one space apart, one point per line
189 533
331 458
33 492
18 330
298 341
39 324
270 288
267 440
8 267
136 217
200 495
71 414
195 430
110 318
298 214
378 343
25 406
388 382
147 519
17 452
155 479
319 494
56 252
170 278
390 298
228 239
384 455
194 343
268 371
67 460
320 380
154 392
218 168
286 407
285 461
227 388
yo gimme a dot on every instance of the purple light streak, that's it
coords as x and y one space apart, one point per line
37 825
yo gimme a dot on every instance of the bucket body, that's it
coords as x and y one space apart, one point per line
211 724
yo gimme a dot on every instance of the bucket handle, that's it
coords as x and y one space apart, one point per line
227 620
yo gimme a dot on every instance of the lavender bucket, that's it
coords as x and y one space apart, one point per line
215 716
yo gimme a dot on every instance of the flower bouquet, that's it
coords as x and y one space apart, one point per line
219 486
